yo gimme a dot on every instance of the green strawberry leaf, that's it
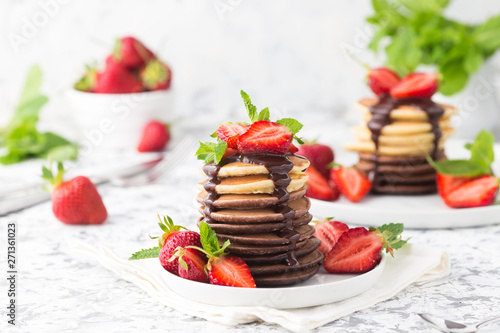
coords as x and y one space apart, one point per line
251 109
153 252
391 236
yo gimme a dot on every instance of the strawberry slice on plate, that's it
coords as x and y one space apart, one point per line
447 183
231 132
265 137
416 85
191 264
329 232
318 187
381 80
230 271
352 183
478 192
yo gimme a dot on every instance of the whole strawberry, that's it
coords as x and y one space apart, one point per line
156 75
173 238
88 81
131 53
155 137
117 80
319 155
75 201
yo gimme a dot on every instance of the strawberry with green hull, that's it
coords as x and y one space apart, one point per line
469 183
131 53
320 156
75 201
155 75
328 232
359 250
191 264
319 187
352 183
155 137
116 80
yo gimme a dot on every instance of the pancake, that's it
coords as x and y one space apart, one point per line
312 259
259 215
405 189
399 160
244 201
401 169
408 128
265 239
310 245
369 147
238 169
288 278
396 179
256 228
363 134
259 250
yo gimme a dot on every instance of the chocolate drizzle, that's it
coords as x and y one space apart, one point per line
278 166
381 112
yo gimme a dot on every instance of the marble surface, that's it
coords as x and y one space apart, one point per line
59 290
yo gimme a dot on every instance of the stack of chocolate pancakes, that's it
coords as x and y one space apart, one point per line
257 202
394 139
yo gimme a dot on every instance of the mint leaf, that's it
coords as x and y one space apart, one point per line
251 109
219 150
293 125
211 152
482 149
32 86
208 239
459 168
264 114
153 252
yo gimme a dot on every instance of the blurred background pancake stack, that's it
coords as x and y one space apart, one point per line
267 228
394 140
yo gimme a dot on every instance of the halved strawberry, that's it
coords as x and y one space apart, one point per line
318 187
358 250
329 233
191 264
416 85
352 183
230 271
230 133
228 152
447 183
381 80
293 149
478 192
265 137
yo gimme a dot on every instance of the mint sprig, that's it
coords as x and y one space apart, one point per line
390 234
211 152
153 252
210 242
479 163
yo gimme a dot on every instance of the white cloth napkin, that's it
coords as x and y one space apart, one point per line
413 263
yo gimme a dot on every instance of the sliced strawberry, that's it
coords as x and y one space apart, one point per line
447 184
478 192
265 137
357 251
231 132
416 85
293 149
230 271
381 80
329 233
319 155
228 152
353 184
318 187
192 264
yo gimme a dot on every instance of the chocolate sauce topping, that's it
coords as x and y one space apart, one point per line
381 117
278 166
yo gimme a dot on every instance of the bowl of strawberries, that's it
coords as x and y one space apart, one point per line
111 105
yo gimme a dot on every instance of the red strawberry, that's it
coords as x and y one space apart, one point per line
381 80
447 184
131 53
353 184
173 238
265 137
155 137
416 85
156 75
318 187
191 264
117 80
478 192
358 250
230 133
319 155
293 149
229 152
230 271
329 233
75 201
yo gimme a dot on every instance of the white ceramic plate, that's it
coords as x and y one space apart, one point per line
322 288
416 212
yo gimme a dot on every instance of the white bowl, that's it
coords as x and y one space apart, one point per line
115 121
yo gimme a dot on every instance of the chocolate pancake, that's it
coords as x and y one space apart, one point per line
259 215
402 169
287 278
256 228
265 239
259 250
310 245
403 189
246 201
396 160
312 259
396 179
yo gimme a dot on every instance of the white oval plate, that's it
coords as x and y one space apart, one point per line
322 288
416 211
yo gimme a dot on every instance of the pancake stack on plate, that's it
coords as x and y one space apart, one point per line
266 222
394 140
